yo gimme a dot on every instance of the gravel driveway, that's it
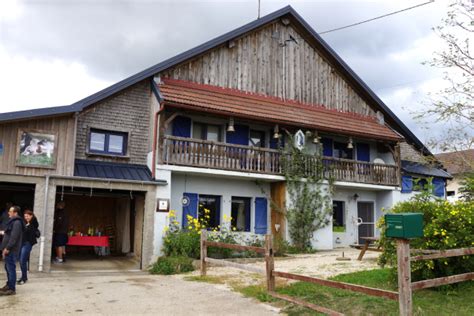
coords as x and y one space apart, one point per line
125 294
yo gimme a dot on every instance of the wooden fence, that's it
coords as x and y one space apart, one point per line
270 273
405 286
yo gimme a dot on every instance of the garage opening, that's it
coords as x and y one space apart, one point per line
20 194
104 229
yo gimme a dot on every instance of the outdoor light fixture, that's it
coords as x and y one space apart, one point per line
316 137
349 144
276 132
231 128
356 196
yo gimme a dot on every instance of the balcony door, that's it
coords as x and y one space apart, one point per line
366 220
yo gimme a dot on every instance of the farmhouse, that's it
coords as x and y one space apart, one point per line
205 129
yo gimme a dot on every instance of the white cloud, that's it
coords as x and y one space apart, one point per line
33 83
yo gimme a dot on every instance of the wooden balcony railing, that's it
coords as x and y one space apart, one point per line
217 155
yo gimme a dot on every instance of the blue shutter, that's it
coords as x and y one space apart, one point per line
438 187
407 184
363 152
182 126
191 208
260 215
327 146
240 136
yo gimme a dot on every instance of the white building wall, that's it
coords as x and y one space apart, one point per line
224 187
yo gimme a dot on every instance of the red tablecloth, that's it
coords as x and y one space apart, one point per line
96 241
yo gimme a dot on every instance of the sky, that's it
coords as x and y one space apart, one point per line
56 52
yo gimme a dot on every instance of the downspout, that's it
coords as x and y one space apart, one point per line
43 224
156 126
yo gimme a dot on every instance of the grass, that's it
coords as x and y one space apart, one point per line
449 300
38 160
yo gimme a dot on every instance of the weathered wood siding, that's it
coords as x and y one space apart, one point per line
264 62
62 126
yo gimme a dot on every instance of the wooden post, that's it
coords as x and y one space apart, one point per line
203 251
404 277
270 264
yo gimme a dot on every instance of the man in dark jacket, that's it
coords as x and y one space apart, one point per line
11 246
4 218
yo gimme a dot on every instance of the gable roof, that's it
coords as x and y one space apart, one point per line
287 11
236 103
457 162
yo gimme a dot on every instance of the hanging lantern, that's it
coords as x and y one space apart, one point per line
276 132
349 144
230 127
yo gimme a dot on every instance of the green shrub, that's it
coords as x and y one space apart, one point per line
446 226
172 265
182 243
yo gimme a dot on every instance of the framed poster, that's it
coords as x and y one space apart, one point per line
36 149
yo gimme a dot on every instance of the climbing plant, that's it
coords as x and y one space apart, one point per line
309 192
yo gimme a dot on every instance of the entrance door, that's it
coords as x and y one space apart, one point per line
365 214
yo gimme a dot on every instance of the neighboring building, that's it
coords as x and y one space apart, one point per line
458 164
208 123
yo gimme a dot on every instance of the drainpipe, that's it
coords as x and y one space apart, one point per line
156 91
43 225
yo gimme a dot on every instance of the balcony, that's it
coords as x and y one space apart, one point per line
216 155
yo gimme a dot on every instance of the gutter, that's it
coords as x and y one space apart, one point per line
158 182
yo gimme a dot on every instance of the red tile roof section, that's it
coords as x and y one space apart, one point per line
236 103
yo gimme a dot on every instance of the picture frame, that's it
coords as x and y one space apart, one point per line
36 149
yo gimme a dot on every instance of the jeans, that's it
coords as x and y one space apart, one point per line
24 258
10 267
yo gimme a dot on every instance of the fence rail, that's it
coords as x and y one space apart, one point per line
218 155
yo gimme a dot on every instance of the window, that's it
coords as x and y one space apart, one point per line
106 142
420 184
257 138
209 209
338 215
206 131
341 151
240 213
451 193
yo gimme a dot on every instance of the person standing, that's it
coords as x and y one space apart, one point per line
30 234
4 219
60 228
11 246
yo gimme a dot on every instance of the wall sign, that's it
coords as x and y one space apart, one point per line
36 149
299 139
1 149
163 205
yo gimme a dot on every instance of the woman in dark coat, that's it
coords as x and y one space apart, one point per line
30 235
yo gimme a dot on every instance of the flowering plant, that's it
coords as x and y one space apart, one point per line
446 226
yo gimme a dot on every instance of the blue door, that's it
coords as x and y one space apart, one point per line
191 208
261 207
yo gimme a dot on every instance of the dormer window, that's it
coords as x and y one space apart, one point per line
107 142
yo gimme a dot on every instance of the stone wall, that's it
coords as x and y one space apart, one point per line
408 152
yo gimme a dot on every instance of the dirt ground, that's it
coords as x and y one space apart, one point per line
125 294
322 264
138 293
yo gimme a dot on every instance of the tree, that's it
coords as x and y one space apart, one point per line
453 105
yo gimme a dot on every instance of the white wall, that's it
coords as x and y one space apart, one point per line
161 219
224 187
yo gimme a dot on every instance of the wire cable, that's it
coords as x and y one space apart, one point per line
376 18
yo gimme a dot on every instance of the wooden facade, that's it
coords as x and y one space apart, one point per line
63 127
266 61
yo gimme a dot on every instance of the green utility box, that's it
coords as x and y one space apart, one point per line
404 225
